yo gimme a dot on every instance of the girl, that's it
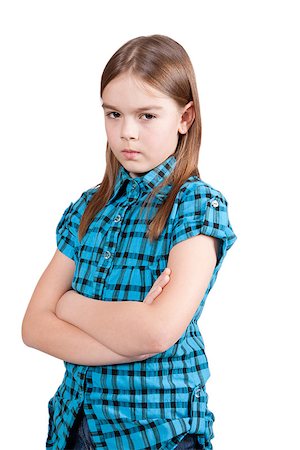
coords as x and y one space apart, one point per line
137 256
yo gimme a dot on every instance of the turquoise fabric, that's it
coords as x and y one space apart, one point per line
150 404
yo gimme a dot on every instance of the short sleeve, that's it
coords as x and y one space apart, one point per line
204 210
68 225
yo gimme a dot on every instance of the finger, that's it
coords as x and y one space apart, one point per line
161 277
153 294
164 280
161 281
154 289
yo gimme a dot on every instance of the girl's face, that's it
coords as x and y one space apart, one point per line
140 118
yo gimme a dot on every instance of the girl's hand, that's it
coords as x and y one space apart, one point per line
158 286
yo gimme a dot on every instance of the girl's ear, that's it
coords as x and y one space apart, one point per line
187 117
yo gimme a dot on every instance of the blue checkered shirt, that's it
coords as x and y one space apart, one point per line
154 403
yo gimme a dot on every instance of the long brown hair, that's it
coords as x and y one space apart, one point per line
162 63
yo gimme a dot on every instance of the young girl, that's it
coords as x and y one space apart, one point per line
137 256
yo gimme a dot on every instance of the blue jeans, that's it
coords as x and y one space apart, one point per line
189 442
80 438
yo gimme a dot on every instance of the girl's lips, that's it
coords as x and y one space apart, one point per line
130 150
131 154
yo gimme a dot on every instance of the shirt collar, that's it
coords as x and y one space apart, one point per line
151 178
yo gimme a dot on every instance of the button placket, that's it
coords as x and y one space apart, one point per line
105 261
133 191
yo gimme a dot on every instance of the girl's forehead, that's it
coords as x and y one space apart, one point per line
136 102
133 94
126 84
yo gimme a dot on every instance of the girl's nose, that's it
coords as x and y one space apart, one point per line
129 130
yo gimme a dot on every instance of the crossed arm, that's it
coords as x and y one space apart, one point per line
127 328
93 332
131 328
43 330
123 327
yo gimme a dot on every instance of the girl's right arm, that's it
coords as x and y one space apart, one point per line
42 330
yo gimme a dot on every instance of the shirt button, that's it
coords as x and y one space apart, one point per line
198 393
133 184
107 254
117 218
215 203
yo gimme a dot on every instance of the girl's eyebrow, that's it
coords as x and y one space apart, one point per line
104 105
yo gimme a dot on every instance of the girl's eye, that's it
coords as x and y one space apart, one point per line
145 114
113 112
148 114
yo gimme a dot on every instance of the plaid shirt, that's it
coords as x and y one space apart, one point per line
150 404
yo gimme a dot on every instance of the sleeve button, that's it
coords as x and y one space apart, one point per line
198 393
215 203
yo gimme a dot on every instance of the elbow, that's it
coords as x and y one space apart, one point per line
167 338
152 345
161 340
31 328
163 346
25 333
157 346
155 333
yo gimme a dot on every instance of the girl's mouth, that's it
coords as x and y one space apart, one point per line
130 154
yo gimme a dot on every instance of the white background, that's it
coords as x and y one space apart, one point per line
246 59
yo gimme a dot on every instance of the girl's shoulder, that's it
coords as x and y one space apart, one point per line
75 209
91 190
88 193
85 197
195 186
